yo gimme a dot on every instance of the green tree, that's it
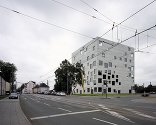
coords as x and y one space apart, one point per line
68 75
7 71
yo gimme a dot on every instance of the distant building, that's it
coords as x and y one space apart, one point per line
36 89
8 88
43 88
2 86
111 70
28 87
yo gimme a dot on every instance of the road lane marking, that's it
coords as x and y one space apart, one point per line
105 121
46 104
139 113
115 114
103 107
58 115
64 109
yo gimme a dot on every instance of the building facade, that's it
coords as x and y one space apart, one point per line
106 70
28 87
2 86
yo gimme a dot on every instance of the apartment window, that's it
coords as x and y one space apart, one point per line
129 68
114 90
113 83
99 89
93 55
87 77
93 48
90 79
95 89
121 58
114 57
108 77
116 80
81 51
112 76
94 71
104 76
77 90
99 72
110 64
91 66
85 49
106 65
91 73
116 76
109 89
94 81
130 60
103 54
99 80
87 83
87 58
105 71
109 72
100 62
125 59
88 72
119 83
129 74
100 43
94 63
132 68
88 89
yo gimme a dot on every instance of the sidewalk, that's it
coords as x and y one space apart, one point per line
11 113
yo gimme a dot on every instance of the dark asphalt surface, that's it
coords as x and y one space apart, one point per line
82 110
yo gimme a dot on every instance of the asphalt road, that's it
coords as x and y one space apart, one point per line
79 110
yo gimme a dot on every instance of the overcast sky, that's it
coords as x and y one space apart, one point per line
37 48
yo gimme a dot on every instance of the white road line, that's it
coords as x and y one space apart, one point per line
139 113
105 121
58 115
64 109
115 114
46 104
103 107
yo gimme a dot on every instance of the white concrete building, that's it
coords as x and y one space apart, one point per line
28 87
114 67
43 88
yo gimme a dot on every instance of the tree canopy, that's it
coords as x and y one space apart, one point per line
68 75
7 71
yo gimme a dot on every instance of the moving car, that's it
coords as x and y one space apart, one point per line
13 96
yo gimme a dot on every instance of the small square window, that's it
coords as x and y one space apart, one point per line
106 65
116 80
105 71
99 72
110 64
112 76
119 83
113 82
125 59
104 76
87 58
103 54
109 72
100 62
109 89
108 77
99 80
88 89
99 89
116 76
95 89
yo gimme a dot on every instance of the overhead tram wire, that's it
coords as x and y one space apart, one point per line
92 16
122 22
43 21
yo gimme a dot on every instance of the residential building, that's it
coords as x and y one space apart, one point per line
36 89
105 68
28 87
2 86
43 88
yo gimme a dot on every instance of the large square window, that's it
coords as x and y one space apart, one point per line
99 80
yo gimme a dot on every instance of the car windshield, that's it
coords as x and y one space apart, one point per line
13 93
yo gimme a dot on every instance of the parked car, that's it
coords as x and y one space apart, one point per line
61 94
145 94
13 96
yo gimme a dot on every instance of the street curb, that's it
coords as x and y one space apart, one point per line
27 119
